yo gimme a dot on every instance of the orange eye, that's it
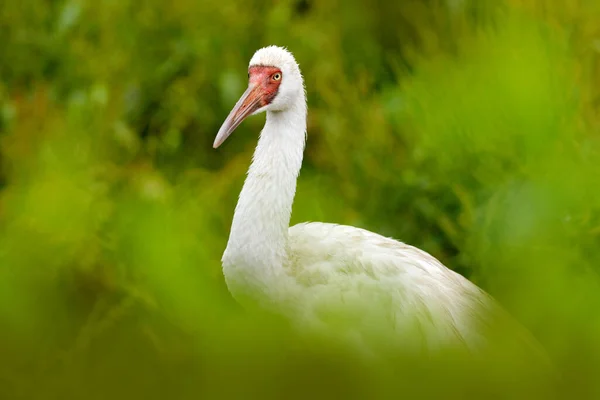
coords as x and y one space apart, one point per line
276 76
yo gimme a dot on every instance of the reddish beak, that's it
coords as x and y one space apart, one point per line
246 105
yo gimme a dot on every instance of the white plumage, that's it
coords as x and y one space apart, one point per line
373 292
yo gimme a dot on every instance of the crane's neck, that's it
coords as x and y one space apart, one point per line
257 249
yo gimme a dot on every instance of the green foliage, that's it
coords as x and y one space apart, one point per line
466 128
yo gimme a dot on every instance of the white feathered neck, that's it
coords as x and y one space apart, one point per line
257 248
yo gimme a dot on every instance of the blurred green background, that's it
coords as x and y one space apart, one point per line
467 128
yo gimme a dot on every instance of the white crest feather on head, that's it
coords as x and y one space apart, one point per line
274 56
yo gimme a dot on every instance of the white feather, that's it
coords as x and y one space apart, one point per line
373 292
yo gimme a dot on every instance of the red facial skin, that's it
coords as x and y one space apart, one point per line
264 77
262 89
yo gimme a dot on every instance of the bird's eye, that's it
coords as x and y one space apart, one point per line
276 76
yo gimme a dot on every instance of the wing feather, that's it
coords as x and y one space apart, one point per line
380 292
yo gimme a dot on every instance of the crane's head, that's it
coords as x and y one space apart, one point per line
274 84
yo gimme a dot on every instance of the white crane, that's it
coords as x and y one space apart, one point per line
372 291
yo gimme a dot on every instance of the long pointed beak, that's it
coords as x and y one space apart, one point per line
246 105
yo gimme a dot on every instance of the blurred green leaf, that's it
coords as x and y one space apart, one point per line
466 128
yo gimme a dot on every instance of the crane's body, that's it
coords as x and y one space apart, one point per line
372 291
